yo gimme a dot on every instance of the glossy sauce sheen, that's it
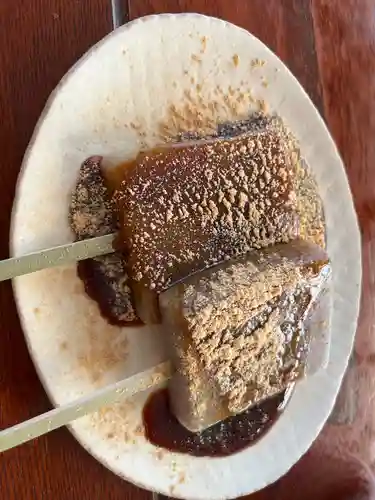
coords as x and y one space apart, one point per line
225 438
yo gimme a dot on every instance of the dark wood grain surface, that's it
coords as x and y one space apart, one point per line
328 44
345 39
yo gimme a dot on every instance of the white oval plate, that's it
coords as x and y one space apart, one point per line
152 78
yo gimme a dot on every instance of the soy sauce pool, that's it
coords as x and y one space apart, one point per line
223 439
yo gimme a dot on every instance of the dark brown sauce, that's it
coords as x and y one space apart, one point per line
225 438
98 288
92 213
115 175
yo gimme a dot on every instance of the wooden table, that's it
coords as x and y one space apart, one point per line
328 44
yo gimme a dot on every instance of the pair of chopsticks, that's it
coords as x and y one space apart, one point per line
62 415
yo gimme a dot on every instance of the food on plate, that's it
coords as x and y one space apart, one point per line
222 439
237 330
186 207
221 238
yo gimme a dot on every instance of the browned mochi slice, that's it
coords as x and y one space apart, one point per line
186 207
237 331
